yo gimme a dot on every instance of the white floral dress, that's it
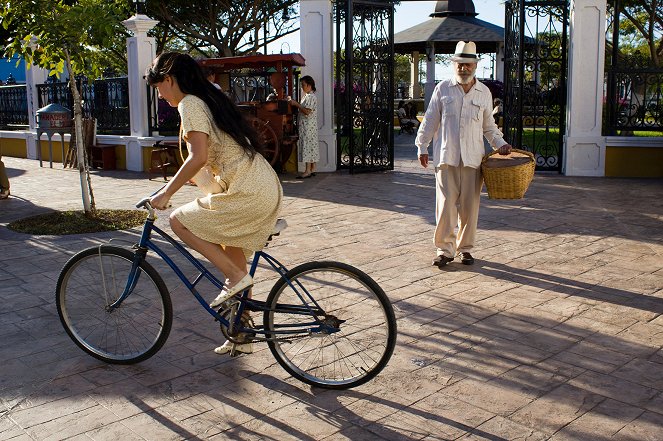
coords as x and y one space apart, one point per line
309 150
244 210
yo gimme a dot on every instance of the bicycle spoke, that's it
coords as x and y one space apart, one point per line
96 278
334 357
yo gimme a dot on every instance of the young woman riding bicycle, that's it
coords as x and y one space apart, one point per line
242 193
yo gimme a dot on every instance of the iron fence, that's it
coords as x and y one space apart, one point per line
633 84
162 118
107 100
13 107
634 101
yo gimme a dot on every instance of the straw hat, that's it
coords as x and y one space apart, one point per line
465 53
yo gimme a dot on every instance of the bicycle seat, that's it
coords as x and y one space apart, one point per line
281 225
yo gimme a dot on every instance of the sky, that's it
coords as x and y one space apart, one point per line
411 13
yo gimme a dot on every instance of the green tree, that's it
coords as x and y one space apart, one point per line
402 68
640 31
61 35
225 27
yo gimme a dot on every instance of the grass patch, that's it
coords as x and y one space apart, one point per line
537 139
76 222
650 134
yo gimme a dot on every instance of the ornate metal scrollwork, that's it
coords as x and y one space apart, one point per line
363 86
536 71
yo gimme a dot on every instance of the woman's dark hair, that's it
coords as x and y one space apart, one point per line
401 103
308 80
192 81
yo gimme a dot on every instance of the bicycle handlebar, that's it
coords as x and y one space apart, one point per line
145 202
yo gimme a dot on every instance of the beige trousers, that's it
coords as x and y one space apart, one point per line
457 195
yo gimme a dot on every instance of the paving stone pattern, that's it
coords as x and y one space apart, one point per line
554 333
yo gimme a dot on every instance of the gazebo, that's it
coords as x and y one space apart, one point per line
452 21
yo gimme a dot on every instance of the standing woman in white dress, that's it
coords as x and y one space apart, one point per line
309 151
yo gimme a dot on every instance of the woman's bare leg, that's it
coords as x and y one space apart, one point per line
237 256
225 260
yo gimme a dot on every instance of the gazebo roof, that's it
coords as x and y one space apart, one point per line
452 21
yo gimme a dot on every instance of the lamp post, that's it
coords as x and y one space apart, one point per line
266 33
140 6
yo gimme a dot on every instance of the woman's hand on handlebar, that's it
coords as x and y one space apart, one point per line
160 201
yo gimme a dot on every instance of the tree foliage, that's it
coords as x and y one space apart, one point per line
47 32
223 27
640 31
61 35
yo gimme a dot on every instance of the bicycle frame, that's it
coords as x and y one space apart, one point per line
308 307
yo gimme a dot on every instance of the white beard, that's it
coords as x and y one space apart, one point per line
462 80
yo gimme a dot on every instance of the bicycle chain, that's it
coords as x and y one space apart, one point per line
228 311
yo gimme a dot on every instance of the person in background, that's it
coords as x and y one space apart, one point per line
457 119
210 75
4 181
309 150
498 111
404 116
241 192
273 95
411 110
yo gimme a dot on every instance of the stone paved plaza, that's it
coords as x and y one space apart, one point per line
554 333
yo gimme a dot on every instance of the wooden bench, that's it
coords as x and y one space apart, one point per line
162 157
102 156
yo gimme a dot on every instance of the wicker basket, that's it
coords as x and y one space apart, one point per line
508 176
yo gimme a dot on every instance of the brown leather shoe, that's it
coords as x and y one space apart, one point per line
466 258
441 261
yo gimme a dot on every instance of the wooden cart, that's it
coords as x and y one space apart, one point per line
260 85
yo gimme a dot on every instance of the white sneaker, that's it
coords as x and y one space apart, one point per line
4 193
239 287
241 348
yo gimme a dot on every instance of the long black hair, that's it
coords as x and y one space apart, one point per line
191 81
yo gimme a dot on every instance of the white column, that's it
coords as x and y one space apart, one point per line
584 147
415 90
499 62
33 75
316 45
430 73
141 50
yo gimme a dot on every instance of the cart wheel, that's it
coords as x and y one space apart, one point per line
268 137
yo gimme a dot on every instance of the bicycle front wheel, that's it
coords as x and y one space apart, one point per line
346 337
95 278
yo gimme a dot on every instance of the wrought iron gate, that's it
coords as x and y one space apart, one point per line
364 85
634 85
535 67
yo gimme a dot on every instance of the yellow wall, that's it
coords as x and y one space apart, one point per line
56 145
634 162
120 157
291 164
13 147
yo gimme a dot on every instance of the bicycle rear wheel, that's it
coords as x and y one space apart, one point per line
346 345
95 278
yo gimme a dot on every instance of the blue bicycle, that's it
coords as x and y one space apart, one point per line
327 323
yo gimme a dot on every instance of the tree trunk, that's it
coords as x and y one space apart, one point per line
86 184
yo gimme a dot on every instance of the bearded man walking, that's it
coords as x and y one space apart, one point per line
457 119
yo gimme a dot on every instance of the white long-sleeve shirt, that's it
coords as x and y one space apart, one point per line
456 122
